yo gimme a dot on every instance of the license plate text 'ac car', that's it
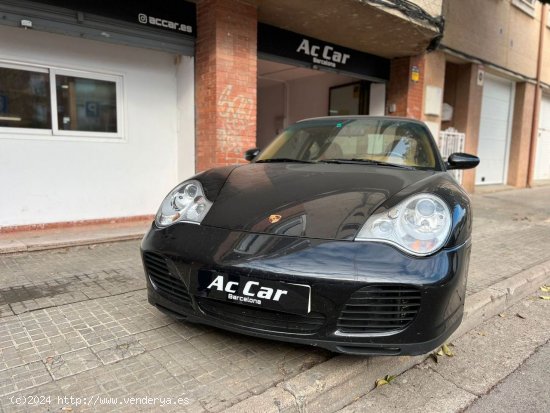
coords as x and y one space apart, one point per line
272 295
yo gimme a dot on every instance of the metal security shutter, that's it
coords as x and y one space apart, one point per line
494 130
50 18
542 162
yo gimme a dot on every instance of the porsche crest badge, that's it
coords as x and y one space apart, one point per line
274 218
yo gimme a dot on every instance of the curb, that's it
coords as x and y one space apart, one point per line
332 385
19 246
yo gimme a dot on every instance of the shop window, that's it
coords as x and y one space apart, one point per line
24 98
85 104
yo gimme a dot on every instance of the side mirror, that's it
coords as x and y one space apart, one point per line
459 160
251 154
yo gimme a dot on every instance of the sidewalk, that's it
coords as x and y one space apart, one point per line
36 240
76 322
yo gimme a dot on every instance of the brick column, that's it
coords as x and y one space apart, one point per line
406 94
434 67
226 76
521 135
467 114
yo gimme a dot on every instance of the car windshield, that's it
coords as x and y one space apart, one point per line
392 142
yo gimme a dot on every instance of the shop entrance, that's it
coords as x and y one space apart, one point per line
288 93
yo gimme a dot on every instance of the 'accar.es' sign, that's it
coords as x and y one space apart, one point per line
317 53
164 23
177 16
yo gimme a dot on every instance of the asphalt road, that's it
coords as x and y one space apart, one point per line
525 390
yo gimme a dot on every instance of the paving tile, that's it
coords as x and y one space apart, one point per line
118 349
23 377
69 364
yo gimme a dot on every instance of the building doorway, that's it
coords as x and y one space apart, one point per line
495 130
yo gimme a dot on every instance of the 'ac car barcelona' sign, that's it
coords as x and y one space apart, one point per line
320 54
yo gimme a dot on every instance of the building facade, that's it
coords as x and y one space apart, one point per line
497 78
105 107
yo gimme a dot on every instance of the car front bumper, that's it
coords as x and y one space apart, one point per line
366 298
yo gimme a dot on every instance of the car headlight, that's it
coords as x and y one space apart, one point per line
419 225
185 203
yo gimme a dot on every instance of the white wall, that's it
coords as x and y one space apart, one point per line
53 179
309 96
377 99
305 97
186 117
271 113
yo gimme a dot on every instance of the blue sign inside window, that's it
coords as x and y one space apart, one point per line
3 104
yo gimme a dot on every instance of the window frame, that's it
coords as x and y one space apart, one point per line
527 6
92 76
54 132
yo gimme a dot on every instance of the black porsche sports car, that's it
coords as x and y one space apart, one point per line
345 233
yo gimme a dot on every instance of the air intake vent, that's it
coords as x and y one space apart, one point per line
164 282
380 309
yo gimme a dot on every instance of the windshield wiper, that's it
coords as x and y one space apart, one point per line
364 161
283 160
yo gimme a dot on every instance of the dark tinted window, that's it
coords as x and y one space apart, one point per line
86 104
24 99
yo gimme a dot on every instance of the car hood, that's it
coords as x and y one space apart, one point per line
328 201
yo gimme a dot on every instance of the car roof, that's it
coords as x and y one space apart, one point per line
396 118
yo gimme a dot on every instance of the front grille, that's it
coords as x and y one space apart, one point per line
262 319
164 282
379 309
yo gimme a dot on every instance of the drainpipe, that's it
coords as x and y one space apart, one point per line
536 108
